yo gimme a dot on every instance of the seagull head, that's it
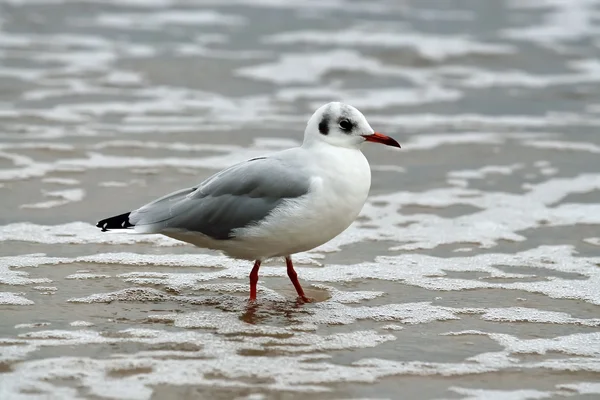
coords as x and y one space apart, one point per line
342 125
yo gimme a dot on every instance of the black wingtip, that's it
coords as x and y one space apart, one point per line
116 222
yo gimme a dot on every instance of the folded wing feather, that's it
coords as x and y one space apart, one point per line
234 198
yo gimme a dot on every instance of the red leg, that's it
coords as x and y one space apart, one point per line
294 278
254 279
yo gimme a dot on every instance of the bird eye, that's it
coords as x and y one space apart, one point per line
345 125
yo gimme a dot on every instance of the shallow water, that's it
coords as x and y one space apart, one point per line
472 273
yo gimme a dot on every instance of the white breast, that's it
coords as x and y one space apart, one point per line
340 183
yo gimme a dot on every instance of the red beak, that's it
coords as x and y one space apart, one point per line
381 138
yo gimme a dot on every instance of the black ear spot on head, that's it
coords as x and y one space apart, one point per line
324 125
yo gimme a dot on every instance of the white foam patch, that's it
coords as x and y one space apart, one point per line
474 121
10 276
62 197
135 294
224 267
58 147
388 168
582 387
25 167
432 141
158 20
431 272
101 161
561 22
593 241
230 288
61 181
343 297
76 233
32 325
45 288
408 313
585 71
488 394
548 171
123 78
14 299
87 276
521 314
179 146
463 250
427 272
369 99
392 327
578 344
229 155
432 47
484 172
309 342
563 145
113 184
169 260
223 323
83 324
294 68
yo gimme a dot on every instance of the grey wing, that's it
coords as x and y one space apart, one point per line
234 198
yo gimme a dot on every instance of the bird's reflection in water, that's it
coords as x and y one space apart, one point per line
281 313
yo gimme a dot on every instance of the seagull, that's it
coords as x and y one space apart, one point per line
273 206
